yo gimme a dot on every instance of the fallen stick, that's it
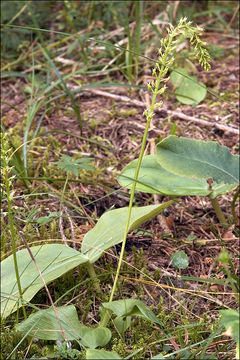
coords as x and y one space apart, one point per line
170 112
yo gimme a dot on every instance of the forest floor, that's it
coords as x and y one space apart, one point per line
113 125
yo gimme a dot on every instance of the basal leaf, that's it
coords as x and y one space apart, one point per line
122 323
200 159
154 179
129 307
230 320
109 230
176 78
187 91
220 189
53 260
101 355
158 356
46 326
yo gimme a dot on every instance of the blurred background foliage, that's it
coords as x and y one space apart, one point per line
101 17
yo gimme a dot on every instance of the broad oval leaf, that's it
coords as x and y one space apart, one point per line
200 159
180 260
129 307
188 90
109 230
122 323
154 179
230 320
177 77
46 326
53 260
101 354
158 356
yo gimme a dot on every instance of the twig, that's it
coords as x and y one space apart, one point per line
169 112
81 206
230 22
37 173
175 7
71 226
203 122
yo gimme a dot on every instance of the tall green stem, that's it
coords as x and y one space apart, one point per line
13 241
149 115
166 60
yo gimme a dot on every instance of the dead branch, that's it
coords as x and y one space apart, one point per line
178 114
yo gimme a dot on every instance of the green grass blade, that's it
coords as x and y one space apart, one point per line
47 55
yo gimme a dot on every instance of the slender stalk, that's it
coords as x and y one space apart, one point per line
219 213
149 114
237 350
13 241
166 60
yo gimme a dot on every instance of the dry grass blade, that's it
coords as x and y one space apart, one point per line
44 282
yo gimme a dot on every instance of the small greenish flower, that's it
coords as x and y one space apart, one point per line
6 169
166 54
